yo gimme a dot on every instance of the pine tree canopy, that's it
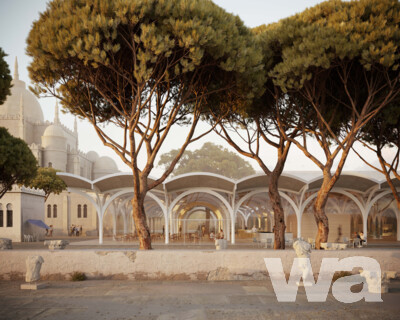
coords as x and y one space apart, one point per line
210 158
17 163
109 56
5 78
47 180
366 32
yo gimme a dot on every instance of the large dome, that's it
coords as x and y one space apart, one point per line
54 131
32 110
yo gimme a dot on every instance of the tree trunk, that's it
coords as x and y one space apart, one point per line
139 216
279 216
320 216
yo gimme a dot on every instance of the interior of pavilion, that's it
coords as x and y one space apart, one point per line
198 208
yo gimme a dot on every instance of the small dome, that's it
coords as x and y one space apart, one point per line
54 131
92 156
104 166
32 109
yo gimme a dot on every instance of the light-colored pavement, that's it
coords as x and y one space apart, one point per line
111 299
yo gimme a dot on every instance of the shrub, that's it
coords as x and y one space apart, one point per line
78 276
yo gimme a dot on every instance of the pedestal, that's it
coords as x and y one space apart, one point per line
33 286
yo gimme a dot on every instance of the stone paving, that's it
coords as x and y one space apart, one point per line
111 299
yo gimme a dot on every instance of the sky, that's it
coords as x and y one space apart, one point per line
17 16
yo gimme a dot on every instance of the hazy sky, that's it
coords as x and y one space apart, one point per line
16 17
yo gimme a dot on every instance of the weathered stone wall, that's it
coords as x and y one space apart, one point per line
172 264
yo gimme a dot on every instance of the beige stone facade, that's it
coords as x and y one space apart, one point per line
54 145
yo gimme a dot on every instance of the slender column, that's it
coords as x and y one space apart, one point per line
114 217
299 216
233 231
125 221
365 224
100 230
166 226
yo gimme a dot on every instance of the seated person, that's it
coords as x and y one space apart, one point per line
212 235
362 238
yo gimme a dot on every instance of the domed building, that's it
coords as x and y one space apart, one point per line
54 145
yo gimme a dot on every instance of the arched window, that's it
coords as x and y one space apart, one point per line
49 211
55 211
9 215
85 210
1 216
79 211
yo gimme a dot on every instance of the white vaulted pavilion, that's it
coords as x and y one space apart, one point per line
233 200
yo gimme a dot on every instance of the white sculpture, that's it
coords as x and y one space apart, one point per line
303 251
302 248
33 265
5 244
56 244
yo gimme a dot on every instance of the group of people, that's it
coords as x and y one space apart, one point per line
360 235
75 230
220 235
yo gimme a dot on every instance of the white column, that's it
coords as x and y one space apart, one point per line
365 224
166 227
299 215
101 215
114 217
101 230
233 231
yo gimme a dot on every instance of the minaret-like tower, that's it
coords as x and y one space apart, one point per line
56 117
16 74
76 133
75 126
21 123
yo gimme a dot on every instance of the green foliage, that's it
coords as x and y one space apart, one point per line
17 163
78 276
47 180
5 78
365 31
384 129
339 57
109 54
210 158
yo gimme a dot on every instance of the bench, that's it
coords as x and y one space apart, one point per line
333 245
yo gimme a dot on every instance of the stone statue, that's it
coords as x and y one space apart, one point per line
56 244
5 244
33 265
303 250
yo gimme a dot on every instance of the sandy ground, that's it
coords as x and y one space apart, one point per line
112 299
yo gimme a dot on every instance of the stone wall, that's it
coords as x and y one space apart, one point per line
172 264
